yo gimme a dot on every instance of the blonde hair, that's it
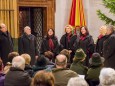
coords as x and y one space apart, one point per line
71 27
27 58
103 30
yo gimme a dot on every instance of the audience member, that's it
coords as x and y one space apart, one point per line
61 73
9 63
16 75
96 63
2 75
107 77
28 67
67 54
77 81
49 57
40 64
77 64
43 78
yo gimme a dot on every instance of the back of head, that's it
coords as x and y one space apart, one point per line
18 62
41 61
49 55
12 55
27 58
110 29
77 81
43 78
107 77
61 61
66 53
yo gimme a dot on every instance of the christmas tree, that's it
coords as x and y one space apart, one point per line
110 4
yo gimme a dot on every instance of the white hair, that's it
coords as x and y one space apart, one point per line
107 77
77 81
19 62
27 27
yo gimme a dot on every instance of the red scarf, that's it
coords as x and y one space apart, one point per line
51 44
100 36
68 37
82 37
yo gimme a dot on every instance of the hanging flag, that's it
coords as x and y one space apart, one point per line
77 18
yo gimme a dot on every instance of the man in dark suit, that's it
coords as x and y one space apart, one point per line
6 43
109 48
27 44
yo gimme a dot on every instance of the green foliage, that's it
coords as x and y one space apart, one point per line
110 4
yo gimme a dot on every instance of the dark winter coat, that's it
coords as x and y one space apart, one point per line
92 76
62 76
2 77
28 44
99 45
29 70
93 73
17 77
109 51
79 68
88 46
72 45
6 46
64 44
45 45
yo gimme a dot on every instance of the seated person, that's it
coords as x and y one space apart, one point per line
96 63
77 64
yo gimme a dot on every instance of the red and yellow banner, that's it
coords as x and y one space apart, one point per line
77 17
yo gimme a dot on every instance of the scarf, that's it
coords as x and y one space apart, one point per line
51 44
100 36
82 37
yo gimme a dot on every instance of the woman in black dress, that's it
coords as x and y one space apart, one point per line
86 42
50 44
67 41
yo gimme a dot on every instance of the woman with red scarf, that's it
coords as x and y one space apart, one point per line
101 38
67 41
49 45
86 42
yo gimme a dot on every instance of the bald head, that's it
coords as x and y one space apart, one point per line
61 60
19 62
27 30
3 27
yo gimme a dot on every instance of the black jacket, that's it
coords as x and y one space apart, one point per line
88 46
17 77
64 42
45 46
6 46
99 45
28 44
109 51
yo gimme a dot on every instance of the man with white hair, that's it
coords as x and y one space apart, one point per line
61 73
107 77
27 44
6 43
16 75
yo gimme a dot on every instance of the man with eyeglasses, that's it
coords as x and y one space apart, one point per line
6 43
